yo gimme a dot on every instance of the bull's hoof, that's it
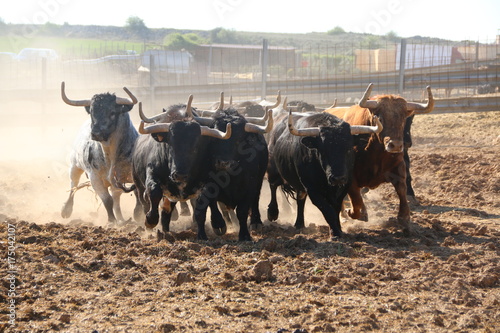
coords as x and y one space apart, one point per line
151 220
256 226
220 231
405 226
357 215
413 200
202 236
272 213
245 238
66 211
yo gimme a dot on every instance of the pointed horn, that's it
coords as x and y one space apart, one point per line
365 102
278 101
157 128
221 102
189 109
126 101
154 119
258 120
333 105
230 100
215 133
421 108
253 128
285 103
83 102
358 129
312 131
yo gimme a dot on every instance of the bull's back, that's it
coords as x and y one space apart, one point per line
354 115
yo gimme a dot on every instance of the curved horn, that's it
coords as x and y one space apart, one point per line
126 101
156 128
215 133
83 102
333 105
312 131
285 103
359 129
253 128
278 102
153 119
258 120
203 121
421 108
364 102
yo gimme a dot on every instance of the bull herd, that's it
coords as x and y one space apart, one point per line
218 158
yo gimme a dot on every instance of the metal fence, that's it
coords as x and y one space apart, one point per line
459 73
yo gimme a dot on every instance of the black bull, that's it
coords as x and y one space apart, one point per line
314 158
237 167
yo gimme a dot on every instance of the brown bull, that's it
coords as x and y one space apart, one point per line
379 159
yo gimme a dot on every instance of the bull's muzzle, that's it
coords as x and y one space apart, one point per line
394 146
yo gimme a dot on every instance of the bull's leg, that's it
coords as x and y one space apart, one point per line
398 180
242 214
358 209
255 219
184 209
330 213
103 193
139 205
272 209
227 214
116 194
217 219
166 214
410 193
155 194
200 215
301 202
74 173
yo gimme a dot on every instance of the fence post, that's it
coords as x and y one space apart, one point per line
265 60
402 59
152 81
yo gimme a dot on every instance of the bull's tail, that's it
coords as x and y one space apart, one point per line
288 191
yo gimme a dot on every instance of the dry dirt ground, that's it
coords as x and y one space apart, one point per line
79 276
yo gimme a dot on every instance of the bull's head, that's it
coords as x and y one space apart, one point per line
392 112
333 143
105 111
186 140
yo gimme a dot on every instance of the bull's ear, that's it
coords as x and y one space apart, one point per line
123 108
87 108
310 142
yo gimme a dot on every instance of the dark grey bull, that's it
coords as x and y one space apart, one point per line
103 150
172 163
315 158
238 168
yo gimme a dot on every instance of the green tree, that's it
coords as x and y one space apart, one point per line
178 41
221 35
392 36
336 31
137 27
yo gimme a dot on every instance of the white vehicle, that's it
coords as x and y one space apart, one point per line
31 54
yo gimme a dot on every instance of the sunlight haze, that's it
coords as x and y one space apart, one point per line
442 19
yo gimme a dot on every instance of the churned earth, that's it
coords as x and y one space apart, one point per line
78 275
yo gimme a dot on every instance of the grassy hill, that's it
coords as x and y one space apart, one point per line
69 40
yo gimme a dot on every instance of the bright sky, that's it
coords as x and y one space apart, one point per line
455 20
